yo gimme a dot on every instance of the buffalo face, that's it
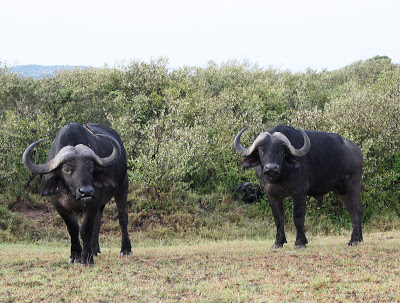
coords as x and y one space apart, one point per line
78 170
80 177
271 152
271 158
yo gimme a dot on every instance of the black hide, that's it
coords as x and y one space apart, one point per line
80 186
332 164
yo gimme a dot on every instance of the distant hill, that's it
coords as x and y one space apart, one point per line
40 71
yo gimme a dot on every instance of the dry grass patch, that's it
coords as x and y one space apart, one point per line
239 271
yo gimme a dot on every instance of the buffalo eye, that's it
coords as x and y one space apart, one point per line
282 153
260 152
67 169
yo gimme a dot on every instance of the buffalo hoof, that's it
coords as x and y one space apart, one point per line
74 260
353 243
125 253
300 246
277 245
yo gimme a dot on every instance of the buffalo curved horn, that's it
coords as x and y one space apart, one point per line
69 152
248 151
266 136
295 152
26 160
111 159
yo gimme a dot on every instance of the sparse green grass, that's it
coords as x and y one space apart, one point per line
227 271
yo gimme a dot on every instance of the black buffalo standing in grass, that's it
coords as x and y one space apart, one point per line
85 168
301 163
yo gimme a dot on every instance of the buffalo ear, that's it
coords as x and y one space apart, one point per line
53 186
250 161
101 179
293 163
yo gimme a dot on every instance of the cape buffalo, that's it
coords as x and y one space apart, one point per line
85 168
298 163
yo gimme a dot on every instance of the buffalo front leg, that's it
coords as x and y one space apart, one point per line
86 231
121 201
277 210
299 213
96 231
73 230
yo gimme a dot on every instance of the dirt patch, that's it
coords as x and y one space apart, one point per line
21 205
41 216
41 213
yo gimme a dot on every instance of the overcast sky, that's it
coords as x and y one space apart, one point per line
284 34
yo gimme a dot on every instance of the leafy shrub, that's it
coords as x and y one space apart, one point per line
178 125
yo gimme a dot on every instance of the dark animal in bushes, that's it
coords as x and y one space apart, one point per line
301 163
85 168
247 192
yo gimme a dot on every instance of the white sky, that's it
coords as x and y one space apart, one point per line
284 34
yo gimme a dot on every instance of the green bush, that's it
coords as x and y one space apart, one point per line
178 125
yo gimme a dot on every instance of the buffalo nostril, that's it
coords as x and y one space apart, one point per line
86 191
272 167
271 170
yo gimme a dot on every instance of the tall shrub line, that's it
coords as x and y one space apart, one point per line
178 125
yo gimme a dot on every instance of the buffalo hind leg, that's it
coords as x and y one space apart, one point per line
351 201
299 213
121 201
277 210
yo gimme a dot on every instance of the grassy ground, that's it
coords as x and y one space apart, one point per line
227 271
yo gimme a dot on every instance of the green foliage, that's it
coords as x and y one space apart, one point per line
178 125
